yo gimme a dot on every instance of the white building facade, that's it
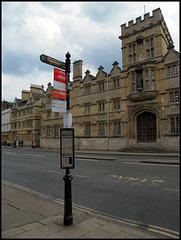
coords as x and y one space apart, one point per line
5 124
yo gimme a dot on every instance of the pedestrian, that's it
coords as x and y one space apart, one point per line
33 146
22 143
19 143
14 143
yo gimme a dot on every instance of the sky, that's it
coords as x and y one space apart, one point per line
89 31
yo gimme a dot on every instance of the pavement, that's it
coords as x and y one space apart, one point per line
30 214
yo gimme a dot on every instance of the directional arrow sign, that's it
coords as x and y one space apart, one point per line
52 61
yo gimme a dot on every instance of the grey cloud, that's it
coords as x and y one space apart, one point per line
101 11
20 64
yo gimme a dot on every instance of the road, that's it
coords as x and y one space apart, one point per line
145 193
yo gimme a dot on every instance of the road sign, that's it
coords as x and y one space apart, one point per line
59 79
52 61
59 75
59 103
59 94
67 148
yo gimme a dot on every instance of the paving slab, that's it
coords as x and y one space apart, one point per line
112 228
98 233
20 218
50 228
7 209
72 231
34 233
31 226
13 232
138 233
89 225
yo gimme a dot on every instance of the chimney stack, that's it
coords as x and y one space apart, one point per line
77 70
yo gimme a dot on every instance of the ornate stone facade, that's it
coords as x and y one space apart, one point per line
137 106
51 122
26 117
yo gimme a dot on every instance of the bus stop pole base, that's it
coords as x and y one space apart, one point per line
68 217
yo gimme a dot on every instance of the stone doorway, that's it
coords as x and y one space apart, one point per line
146 127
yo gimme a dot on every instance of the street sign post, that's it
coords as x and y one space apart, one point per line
67 141
52 61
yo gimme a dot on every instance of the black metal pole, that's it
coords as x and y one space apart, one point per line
67 62
68 217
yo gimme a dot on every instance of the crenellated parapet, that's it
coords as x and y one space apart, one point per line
144 24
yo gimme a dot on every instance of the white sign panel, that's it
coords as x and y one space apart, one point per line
59 85
59 103
67 120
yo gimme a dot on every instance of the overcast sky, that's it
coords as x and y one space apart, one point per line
88 30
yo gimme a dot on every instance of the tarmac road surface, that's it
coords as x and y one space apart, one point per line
144 192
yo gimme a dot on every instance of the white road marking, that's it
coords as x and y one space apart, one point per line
173 190
152 164
91 160
26 154
54 172
75 175
34 155
12 153
82 176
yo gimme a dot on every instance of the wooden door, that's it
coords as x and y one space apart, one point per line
146 127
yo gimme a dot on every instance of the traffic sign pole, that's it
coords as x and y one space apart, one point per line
68 217
67 62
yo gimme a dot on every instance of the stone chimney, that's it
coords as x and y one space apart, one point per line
24 94
36 88
77 70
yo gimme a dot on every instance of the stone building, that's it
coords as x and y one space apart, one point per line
5 125
26 117
5 121
95 104
137 106
151 77
51 122
6 105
